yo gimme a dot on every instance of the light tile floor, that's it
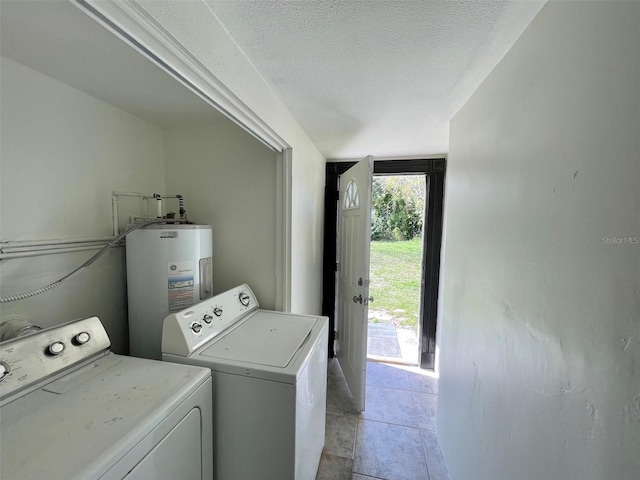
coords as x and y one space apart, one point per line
394 438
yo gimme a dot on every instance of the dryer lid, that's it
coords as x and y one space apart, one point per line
264 338
84 423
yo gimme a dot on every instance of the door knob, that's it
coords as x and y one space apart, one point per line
357 299
368 300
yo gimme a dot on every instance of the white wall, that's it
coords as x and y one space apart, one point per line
65 152
540 351
62 155
228 179
202 35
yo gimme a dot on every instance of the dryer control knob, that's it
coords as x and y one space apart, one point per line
217 311
56 348
244 299
81 338
4 370
207 318
196 327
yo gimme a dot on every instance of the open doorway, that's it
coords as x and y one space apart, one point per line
397 219
433 171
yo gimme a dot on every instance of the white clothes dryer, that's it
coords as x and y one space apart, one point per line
269 381
71 409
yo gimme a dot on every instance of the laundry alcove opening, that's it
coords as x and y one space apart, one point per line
85 115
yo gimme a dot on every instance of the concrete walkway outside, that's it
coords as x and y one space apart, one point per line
388 343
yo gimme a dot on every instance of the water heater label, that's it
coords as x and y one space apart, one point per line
181 285
170 234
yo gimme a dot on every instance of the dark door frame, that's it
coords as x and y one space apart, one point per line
434 169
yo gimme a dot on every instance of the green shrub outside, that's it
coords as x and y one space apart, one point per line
397 208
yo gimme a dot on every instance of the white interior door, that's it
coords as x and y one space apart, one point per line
354 214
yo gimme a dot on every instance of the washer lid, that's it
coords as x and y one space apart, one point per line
264 338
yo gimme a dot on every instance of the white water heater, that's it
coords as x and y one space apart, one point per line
169 268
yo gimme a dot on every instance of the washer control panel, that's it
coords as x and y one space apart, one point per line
27 360
185 331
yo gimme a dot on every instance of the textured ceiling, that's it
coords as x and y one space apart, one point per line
381 77
376 77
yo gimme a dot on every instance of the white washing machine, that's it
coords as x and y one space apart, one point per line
269 380
71 409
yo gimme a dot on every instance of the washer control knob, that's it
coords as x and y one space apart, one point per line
82 338
196 327
4 370
217 311
56 348
244 299
207 318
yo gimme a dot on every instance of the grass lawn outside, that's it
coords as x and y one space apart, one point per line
395 282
